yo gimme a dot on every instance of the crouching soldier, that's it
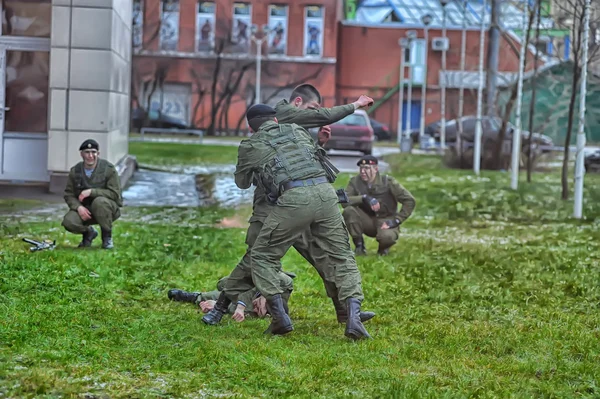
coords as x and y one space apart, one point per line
373 207
93 194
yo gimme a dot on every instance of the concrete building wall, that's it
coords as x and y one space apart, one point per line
90 73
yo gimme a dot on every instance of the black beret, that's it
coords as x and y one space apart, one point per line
259 110
89 144
367 160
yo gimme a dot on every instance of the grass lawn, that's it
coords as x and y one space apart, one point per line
489 293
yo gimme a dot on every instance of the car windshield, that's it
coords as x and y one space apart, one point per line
354 120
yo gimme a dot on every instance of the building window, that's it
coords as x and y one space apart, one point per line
417 61
169 24
313 31
278 27
242 20
205 26
137 26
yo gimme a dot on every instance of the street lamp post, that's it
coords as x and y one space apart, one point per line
444 3
579 157
258 41
461 95
403 45
411 36
426 19
478 125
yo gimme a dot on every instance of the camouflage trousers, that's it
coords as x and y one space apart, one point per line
309 219
359 223
104 212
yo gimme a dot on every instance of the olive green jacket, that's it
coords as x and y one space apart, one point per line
104 182
307 118
387 191
254 153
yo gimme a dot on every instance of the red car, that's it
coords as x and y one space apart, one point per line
353 133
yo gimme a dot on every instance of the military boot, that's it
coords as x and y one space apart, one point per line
183 296
383 251
280 321
88 237
214 316
354 328
342 314
360 246
107 242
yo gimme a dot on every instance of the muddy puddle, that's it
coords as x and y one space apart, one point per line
185 187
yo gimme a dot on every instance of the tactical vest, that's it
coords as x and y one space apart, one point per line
96 180
295 157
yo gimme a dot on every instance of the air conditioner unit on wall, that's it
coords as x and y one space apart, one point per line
440 44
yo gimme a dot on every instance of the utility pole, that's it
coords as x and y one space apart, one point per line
426 19
444 3
479 124
492 57
259 41
461 95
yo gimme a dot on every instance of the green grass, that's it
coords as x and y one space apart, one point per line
497 297
171 154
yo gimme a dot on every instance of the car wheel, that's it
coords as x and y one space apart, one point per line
368 152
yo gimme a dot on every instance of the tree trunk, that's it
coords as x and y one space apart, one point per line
511 102
213 91
533 93
492 58
565 166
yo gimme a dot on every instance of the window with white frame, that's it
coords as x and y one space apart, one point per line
417 61
169 24
205 26
241 24
278 28
313 31
137 25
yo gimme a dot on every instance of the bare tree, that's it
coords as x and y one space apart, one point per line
497 156
533 91
573 11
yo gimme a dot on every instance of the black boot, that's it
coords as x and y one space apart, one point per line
383 251
280 321
183 296
360 246
216 314
342 314
107 242
354 328
88 237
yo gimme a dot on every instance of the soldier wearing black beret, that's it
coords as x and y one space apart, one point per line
373 206
93 194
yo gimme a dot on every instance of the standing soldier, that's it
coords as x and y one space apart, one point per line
373 207
304 109
93 194
284 157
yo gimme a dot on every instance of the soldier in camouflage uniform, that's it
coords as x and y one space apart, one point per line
373 207
249 303
284 158
93 194
303 109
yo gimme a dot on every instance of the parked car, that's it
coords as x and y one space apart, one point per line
155 119
353 133
592 161
381 130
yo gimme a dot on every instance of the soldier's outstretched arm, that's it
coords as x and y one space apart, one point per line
354 197
404 197
318 117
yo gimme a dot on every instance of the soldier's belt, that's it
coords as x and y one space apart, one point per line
304 183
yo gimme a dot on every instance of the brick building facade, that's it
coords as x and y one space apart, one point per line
189 54
191 57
